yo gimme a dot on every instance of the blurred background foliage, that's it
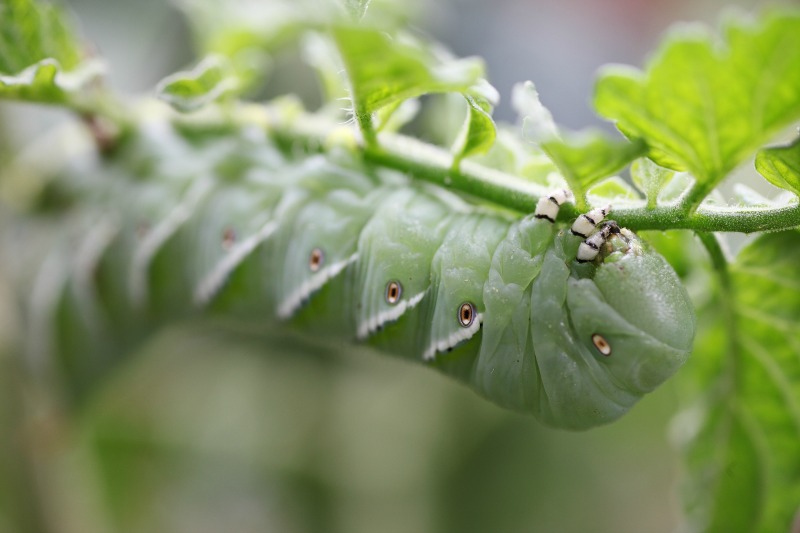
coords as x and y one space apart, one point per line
205 430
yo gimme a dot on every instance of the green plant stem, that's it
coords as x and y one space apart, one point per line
690 201
433 164
428 163
364 121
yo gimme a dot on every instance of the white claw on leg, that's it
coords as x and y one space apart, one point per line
548 206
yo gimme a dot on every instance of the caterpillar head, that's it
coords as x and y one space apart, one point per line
636 321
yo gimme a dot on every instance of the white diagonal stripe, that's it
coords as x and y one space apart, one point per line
293 302
442 345
153 241
215 279
371 324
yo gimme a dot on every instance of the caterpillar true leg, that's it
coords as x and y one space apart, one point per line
586 224
588 249
548 206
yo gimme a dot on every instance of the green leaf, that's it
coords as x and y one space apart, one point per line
31 32
320 53
675 187
650 178
583 158
705 107
40 57
613 189
248 33
749 197
383 70
397 115
538 125
587 157
479 131
781 166
510 154
211 80
228 27
46 82
744 456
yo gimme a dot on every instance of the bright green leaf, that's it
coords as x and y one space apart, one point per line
704 107
383 70
479 131
40 57
744 456
587 157
583 158
650 178
781 166
211 80
31 32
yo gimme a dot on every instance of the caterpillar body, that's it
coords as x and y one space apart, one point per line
230 225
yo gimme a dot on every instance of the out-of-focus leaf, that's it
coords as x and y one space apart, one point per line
395 116
613 188
781 166
228 27
684 252
749 197
676 186
320 53
479 131
248 32
30 32
40 57
211 80
704 107
356 8
383 69
47 82
512 155
743 437
650 178
537 122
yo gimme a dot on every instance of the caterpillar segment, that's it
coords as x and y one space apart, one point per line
571 326
459 269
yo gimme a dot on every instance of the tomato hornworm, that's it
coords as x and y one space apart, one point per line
573 326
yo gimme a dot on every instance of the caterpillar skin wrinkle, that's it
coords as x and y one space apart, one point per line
225 224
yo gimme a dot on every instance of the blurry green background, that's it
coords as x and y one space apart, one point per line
205 430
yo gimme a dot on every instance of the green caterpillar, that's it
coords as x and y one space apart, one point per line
175 224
